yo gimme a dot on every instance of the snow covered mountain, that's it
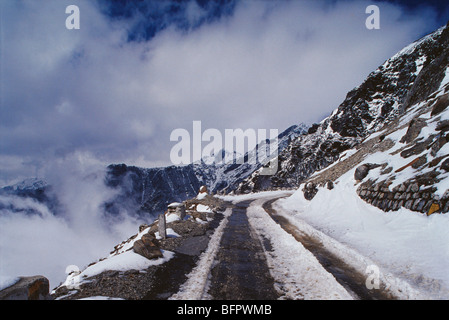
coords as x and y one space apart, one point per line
407 85
150 190
33 188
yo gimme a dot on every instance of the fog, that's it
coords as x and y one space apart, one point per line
46 242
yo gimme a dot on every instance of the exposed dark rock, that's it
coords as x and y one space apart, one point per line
310 190
147 249
417 148
443 126
413 130
445 165
27 288
440 105
362 171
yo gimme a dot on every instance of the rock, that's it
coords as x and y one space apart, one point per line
419 162
442 126
417 148
437 145
362 171
143 227
203 189
148 240
27 288
313 128
445 165
310 190
440 105
435 207
414 129
149 251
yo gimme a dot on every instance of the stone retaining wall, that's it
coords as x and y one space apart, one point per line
411 195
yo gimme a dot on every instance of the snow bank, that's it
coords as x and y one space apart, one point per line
121 262
258 195
409 245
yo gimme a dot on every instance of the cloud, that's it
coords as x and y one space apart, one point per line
80 232
267 65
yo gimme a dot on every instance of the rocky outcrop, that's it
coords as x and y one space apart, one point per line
27 288
362 171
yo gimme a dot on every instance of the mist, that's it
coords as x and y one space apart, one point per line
78 233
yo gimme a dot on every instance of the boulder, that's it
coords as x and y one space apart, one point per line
362 171
27 288
310 190
440 105
414 129
147 249
143 227
445 165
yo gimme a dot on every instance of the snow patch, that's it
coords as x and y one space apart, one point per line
121 262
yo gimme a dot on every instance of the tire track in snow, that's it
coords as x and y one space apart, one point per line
298 274
241 272
347 276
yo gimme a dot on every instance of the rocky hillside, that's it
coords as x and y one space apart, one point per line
401 90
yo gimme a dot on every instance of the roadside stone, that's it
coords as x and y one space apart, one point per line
362 171
27 288
143 227
310 190
414 187
148 251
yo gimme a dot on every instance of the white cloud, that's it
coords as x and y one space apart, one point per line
270 65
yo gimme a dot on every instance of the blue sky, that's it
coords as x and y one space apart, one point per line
114 90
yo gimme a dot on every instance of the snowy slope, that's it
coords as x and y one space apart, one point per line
409 245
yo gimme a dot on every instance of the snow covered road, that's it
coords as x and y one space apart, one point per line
303 262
